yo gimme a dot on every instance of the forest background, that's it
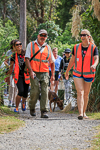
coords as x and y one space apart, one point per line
63 20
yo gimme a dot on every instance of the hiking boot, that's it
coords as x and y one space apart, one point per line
44 114
32 112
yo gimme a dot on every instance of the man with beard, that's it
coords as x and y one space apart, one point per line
39 71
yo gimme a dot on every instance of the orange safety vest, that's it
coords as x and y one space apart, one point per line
16 71
40 62
83 67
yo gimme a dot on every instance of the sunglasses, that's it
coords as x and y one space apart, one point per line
83 35
19 44
41 35
67 52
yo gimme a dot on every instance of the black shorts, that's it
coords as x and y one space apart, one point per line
56 75
22 87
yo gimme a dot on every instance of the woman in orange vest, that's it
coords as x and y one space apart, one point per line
21 79
85 59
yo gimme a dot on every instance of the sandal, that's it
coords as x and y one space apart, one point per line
85 117
80 117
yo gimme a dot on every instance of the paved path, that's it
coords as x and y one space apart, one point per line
60 131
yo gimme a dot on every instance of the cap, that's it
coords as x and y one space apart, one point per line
67 50
43 31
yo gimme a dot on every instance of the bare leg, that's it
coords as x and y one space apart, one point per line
79 84
18 98
15 93
23 100
87 86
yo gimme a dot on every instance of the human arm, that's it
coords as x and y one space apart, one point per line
71 63
27 62
52 65
61 65
7 79
6 61
96 60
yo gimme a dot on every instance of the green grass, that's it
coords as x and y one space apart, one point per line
96 141
9 120
5 110
95 116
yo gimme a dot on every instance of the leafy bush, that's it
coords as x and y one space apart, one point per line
61 47
92 24
52 29
7 34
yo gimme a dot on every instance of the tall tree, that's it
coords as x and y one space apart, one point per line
42 10
63 12
22 36
9 9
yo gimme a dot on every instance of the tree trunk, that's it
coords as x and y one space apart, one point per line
4 12
22 36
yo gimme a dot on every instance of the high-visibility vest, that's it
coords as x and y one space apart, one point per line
40 62
82 67
16 72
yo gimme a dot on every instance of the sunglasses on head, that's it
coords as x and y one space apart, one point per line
41 35
83 35
19 44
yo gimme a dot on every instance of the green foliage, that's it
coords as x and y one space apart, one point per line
7 33
9 10
52 29
2 76
64 40
61 47
43 10
63 12
31 26
92 24
66 36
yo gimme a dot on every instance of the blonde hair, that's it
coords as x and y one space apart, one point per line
88 32
55 48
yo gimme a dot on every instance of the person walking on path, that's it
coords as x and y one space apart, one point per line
21 79
63 66
12 85
85 59
39 72
54 84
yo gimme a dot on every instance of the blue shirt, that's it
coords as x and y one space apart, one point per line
57 63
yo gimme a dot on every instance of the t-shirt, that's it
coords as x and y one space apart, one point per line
21 63
84 49
64 63
28 51
57 63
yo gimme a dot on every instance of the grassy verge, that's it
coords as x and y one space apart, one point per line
96 139
9 120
